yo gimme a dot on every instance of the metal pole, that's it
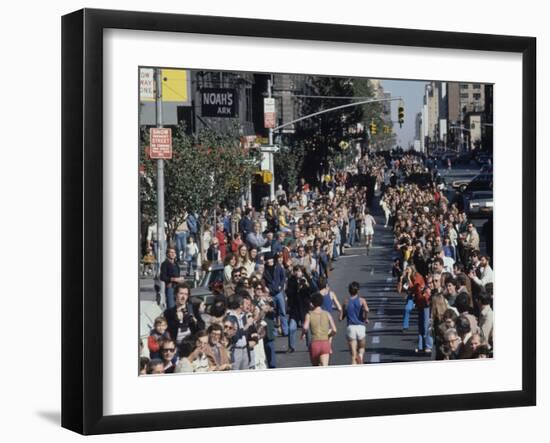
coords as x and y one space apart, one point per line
161 251
364 102
270 154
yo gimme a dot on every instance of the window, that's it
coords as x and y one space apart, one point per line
464 95
477 96
477 86
464 86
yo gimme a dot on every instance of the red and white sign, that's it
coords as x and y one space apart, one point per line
161 143
269 112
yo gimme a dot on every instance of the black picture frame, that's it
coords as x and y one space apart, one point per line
82 230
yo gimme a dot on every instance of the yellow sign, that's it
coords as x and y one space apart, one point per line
175 86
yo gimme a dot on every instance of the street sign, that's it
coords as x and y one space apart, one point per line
146 84
219 102
269 112
161 143
269 148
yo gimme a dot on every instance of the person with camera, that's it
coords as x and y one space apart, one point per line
299 290
240 322
180 319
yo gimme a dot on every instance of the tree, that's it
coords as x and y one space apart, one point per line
205 172
321 135
288 165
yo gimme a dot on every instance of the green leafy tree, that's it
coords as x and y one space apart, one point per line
288 164
205 172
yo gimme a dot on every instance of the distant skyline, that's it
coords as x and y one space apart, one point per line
412 92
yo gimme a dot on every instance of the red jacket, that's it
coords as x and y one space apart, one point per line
420 292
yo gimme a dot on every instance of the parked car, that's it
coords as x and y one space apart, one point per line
449 155
483 158
212 278
479 204
481 182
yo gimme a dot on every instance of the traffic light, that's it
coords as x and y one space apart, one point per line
263 177
372 128
387 129
401 115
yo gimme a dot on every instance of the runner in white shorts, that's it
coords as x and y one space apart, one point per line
368 224
356 311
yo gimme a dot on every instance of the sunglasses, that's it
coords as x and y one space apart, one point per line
228 327
168 350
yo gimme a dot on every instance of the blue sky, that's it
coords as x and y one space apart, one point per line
412 92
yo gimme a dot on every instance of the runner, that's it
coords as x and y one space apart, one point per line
322 327
368 225
356 310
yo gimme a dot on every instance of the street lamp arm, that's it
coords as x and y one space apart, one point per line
348 105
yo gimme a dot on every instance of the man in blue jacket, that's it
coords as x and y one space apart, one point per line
275 279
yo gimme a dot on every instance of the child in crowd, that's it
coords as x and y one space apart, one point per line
158 333
149 262
191 254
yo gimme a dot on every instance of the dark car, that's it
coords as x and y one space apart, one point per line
483 159
481 182
212 279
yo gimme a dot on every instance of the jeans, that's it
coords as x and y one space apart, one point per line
407 314
190 262
170 298
424 336
351 232
280 306
336 251
292 328
269 348
181 243
240 359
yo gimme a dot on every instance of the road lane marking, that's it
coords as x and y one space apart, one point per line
377 325
380 311
387 288
348 256
384 298
375 358
375 340
389 279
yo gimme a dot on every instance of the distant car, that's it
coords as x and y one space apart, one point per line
483 159
449 155
481 182
479 204
212 277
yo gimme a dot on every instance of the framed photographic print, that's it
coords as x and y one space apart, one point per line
270 221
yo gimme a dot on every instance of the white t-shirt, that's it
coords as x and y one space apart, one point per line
369 222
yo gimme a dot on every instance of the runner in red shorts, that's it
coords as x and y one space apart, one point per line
322 327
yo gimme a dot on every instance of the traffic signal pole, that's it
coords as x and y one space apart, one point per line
363 102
